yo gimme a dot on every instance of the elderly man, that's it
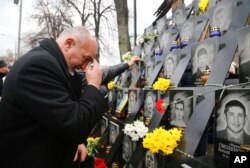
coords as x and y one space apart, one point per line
45 115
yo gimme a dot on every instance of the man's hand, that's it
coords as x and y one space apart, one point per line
81 153
133 60
94 74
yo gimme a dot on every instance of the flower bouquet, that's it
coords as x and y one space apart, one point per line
161 84
92 144
136 130
162 141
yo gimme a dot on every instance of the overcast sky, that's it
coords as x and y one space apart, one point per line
9 19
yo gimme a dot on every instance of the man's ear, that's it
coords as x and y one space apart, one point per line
69 42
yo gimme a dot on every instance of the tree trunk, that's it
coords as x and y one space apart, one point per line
122 22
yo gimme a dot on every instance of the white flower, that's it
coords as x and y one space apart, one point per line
136 130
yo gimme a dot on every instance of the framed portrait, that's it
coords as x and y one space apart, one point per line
150 160
149 103
148 45
161 25
232 122
122 100
132 99
113 132
149 67
111 101
187 28
170 63
220 15
181 107
203 55
104 124
179 15
128 146
244 50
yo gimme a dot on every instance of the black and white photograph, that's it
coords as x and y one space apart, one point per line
244 50
233 112
128 147
119 95
135 72
161 25
111 101
232 122
132 99
150 160
221 14
181 107
149 103
170 64
203 57
148 45
179 15
187 29
113 132
104 124
165 40
149 67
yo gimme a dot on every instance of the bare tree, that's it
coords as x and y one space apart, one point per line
52 19
97 15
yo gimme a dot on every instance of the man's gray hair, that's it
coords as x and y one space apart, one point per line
80 32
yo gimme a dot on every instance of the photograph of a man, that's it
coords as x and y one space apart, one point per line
165 40
202 61
104 124
181 107
222 14
119 95
149 68
132 94
203 55
179 15
235 114
127 148
149 106
150 160
178 119
170 64
187 29
113 132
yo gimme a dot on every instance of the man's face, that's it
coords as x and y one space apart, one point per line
220 17
81 53
132 97
187 30
125 150
179 113
150 160
150 104
112 134
169 66
202 61
235 119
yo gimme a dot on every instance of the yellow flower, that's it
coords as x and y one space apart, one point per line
92 145
111 85
203 5
162 141
161 84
